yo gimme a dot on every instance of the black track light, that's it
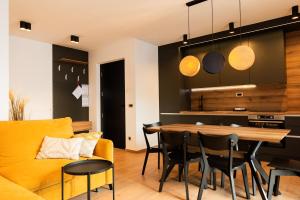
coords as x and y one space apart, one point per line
185 39
295 12
231 28
26 26
74 39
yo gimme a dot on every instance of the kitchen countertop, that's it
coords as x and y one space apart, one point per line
234 113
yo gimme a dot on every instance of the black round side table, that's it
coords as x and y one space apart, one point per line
87 168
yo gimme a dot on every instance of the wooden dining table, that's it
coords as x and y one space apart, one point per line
255 136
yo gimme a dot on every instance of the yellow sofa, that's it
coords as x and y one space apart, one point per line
20 142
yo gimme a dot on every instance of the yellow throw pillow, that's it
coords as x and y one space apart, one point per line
89 143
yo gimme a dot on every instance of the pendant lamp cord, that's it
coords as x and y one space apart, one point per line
212 20
240 9
189 33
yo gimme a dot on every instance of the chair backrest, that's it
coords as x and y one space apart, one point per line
218 143
177 140
146 131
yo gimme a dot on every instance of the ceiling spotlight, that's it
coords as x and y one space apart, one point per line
74 39
185 39
26 26
231 28
295 12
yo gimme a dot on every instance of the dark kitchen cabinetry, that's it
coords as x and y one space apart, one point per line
269 66
171 97
293 123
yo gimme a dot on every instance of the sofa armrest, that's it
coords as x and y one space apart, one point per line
105 149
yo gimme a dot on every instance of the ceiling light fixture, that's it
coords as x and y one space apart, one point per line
185 39
295 12
213 62
220 88
189 65
25 26
231 27
74 39
241 57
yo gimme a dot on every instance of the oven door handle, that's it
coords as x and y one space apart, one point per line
265 121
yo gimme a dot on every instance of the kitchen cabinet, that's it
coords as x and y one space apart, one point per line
170 79
269 66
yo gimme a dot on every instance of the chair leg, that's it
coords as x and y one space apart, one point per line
186 180
158 160
169 169
180 170
234 174
253 185
222 180
199 166
145 162
203 182
214 181
271 184
276 186
232 185
163 176
245 178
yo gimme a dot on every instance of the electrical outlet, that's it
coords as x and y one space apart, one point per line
239 94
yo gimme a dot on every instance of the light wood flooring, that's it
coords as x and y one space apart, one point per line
131 185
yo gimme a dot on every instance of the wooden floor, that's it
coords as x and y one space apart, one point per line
131 185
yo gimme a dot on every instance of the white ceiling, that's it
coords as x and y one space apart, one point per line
156 21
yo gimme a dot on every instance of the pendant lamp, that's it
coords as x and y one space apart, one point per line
213 62
189 65
241 57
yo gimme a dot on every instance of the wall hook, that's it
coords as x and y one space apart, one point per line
83 71
66 77
58 68
72 69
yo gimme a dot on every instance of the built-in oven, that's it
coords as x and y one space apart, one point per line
267 121
269 150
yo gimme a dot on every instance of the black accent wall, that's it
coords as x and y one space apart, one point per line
64 103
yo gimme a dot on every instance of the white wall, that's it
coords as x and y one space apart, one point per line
141 72
4 60
31 75
146 89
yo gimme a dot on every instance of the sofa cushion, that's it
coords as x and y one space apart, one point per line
37 174
20 141
12 191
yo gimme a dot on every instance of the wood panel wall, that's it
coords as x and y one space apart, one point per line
293 70
272 98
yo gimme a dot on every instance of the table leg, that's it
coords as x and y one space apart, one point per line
89 187
253 165
113 174
62 183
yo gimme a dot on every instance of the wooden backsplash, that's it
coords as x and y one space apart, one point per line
263 97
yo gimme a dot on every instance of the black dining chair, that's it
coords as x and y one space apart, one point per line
150 149
226 163
281 167
178 155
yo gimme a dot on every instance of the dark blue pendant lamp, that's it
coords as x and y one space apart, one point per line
213 62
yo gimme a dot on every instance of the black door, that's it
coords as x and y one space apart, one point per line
113 102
